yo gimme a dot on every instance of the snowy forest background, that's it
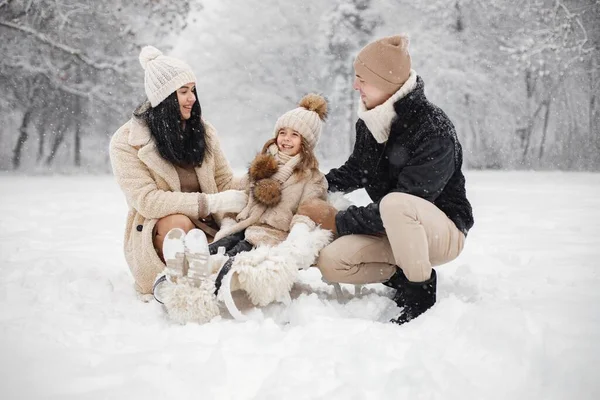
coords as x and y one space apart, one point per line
519 78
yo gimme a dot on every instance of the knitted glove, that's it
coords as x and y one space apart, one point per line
321 212
228 221
227 201
263 166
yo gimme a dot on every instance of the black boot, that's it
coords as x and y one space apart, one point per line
414 297
228 242
241 246
395 282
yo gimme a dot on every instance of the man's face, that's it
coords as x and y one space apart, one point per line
369 94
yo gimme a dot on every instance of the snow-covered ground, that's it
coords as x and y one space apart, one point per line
517 317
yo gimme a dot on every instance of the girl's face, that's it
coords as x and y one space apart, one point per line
186 99
289 141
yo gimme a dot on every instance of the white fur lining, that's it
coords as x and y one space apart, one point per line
267 274
379 119
187 303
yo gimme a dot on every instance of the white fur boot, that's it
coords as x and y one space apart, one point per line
196 254
174 254
267 274
185 302
188 296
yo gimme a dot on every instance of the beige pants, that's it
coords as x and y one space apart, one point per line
418 235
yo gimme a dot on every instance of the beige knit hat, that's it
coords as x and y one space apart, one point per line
307 119
163 74
385 63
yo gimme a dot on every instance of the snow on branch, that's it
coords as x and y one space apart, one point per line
67 49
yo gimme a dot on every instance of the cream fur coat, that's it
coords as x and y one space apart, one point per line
152 190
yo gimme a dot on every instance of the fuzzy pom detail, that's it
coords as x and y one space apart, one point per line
263 166
187 303
316 103
267 192
267 274
148 54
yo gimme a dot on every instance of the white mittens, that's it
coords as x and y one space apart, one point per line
228 201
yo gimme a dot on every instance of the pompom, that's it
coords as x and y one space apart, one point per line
316 103
148 54
263 166
267 192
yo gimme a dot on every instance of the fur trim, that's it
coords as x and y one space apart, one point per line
228 221
265 277
316 103
186 303
265 235
302 219
263 166
267 192
267 274
304 244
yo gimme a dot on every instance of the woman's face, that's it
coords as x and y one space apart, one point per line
186 99
289 141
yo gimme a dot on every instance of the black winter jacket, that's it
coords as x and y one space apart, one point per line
422 157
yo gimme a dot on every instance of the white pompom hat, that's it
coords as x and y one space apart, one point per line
163 74
307 119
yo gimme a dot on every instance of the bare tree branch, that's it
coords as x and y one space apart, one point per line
67 49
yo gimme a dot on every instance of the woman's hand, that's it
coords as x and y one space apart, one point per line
228 201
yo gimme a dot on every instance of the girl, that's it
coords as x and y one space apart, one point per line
168 162
282 176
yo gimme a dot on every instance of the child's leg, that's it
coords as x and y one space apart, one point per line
228 242
240 247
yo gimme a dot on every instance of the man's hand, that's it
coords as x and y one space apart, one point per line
321 212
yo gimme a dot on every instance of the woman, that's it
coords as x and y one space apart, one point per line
169 164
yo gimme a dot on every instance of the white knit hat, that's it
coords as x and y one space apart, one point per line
163 74
307 119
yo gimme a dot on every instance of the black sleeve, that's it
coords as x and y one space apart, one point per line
348 177
425 176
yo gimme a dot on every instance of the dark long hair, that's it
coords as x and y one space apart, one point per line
185 147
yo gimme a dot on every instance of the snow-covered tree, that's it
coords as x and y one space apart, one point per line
71 66
347 28
527 61
254 61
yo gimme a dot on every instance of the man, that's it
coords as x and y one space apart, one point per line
408 159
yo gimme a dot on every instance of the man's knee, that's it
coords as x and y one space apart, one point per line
330 264
393 204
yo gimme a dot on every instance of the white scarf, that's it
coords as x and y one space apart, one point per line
379 119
